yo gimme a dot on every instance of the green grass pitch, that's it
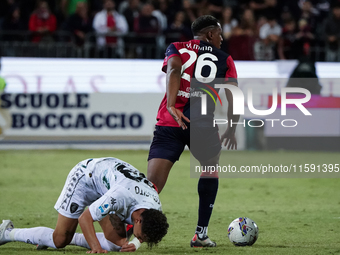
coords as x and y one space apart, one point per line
295 216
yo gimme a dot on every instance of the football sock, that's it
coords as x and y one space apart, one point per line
207 190
79 240
39 235
201 231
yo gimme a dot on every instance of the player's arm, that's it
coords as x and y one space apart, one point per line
97 211
173 82
229 134
131 246
86 223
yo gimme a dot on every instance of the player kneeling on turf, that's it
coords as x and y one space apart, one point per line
115 193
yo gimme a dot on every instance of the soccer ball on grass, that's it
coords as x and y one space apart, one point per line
243 231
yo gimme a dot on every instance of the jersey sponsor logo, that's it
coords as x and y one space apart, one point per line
195 93
182 93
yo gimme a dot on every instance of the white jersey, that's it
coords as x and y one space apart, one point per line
106 185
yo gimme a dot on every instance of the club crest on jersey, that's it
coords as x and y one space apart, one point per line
74 207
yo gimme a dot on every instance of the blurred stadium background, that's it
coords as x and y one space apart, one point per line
252 29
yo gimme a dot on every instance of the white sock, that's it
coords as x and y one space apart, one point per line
201 231
79 240
39 235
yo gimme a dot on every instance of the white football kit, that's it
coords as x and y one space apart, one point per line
106 185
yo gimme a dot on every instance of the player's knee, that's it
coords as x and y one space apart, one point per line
211 162
59 244
61 241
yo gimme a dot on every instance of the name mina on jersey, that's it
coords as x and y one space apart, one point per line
192 55
122 189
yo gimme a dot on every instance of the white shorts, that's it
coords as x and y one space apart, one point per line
78 192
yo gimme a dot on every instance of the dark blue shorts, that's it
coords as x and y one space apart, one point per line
169 142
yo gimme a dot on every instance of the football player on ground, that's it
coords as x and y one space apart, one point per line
185 61
115 193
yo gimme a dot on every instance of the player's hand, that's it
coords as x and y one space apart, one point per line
230 140
128 247
97 251
178 117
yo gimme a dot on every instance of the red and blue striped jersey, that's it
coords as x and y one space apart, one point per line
200 60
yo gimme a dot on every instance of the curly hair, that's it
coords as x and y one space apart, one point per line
203 22
154 226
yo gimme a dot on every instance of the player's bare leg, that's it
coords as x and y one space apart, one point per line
64 231
207 190
158 172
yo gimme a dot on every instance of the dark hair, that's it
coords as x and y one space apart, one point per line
203 22
154 226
